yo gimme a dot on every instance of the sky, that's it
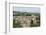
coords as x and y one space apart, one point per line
27 9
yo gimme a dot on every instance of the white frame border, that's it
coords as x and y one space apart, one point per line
8 28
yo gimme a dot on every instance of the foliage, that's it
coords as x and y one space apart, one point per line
16 24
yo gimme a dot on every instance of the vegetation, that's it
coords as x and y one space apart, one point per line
21 14
16 24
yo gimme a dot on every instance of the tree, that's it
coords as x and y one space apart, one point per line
15 25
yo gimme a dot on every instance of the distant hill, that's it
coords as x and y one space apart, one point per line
17 13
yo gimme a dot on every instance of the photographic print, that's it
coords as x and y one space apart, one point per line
26 17
23 17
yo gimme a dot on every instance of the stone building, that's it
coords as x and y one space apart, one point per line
26 20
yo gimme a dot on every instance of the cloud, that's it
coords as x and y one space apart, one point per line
27 9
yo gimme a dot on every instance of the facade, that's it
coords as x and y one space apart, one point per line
26 21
